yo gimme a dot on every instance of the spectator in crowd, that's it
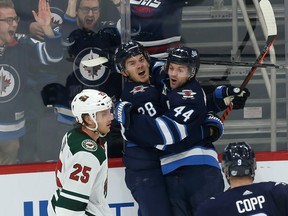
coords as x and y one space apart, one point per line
82 168
83 28
88 38
41 122
245 197
15 65
157 24
93 38
27 24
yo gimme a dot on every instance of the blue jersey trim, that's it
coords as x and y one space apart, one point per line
12 134
188 161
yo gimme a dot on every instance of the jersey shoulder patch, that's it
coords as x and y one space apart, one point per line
89 145
81 142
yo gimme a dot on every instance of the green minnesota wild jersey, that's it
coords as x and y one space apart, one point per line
81 176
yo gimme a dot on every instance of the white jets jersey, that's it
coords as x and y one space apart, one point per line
81 176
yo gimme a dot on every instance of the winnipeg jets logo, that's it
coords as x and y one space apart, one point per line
92 72
150 3
5 82
56 18
137 89
145 8
90 76
187 94
9 83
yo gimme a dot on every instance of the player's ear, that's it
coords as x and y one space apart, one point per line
87 119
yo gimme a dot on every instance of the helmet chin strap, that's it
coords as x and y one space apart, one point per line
100 134
95 129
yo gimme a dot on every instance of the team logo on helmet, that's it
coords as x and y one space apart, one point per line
83 98
91 76
9 83
137 89
194 53
187 94
89 145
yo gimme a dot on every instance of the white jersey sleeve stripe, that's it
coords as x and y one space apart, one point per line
165 131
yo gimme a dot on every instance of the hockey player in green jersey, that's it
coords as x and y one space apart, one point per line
82 168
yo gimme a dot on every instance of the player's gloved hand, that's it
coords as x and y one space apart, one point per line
122 113
214 125
240 100
229 93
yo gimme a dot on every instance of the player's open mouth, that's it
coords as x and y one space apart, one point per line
173 80
141 73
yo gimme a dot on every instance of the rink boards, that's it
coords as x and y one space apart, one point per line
26 189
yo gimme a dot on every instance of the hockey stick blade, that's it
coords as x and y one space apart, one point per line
270 21
94 62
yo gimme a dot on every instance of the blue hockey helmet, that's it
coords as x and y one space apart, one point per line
184 56
126 51
238 160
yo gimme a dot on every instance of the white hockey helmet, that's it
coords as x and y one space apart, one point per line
90 101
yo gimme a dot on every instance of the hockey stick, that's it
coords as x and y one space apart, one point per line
243 64
270 21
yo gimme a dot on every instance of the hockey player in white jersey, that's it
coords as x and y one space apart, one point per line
243 197
82 168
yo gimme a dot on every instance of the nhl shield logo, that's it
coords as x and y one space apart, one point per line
9 83
91 76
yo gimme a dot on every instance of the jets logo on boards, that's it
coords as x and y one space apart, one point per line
91 76
187 94
89 145
139 88
9 83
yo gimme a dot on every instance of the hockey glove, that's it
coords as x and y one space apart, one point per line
228 94
122 113
240 100
215 126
